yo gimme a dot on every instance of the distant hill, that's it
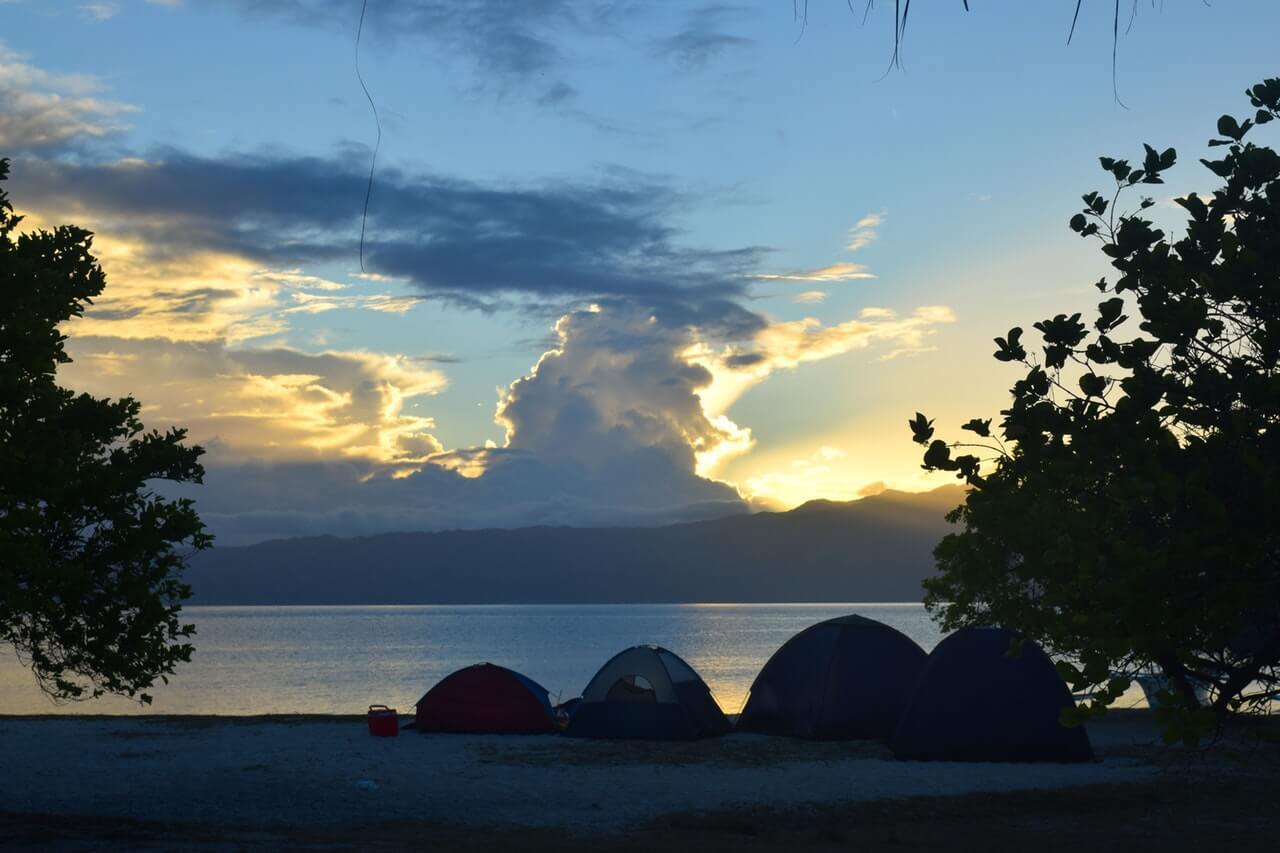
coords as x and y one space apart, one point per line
874 549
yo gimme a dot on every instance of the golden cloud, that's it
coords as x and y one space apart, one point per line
786 345
834 272
268 403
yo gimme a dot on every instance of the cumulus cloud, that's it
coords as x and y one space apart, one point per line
623 422
622 380
619 398
41 110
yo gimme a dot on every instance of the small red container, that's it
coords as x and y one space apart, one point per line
383 721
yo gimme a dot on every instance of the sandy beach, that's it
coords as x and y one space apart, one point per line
326 774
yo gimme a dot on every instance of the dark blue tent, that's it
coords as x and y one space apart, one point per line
647 692
844 678
977 702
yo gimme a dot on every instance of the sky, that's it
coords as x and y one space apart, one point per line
623 262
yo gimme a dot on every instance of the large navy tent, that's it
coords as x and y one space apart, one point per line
844 678
975 701
647 692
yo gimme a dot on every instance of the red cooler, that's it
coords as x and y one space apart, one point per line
383 721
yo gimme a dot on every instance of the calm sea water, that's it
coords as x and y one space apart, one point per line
338 660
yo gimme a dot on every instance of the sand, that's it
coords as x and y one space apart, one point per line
327 771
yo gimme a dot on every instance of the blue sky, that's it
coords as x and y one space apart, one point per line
678 185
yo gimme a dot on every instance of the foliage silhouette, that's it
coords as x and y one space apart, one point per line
902 12
90 592
1126 517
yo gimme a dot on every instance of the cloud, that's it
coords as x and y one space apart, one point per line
809 297
509 46
194 294
321 303
623 421
874 488
703 39
42 110
471 244
862 234
833 272
787 345
268 403
865 231
798 481
99 11
607 428
617 389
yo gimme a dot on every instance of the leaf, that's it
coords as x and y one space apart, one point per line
1093 385
1227 126
1009 348
1078 222
1109 315
1221 168
1194 205
921 429
981 427
1151 162
938 457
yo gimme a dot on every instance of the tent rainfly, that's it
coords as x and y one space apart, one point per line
976 701
842 679
647 692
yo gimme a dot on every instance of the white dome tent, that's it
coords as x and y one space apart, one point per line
647 692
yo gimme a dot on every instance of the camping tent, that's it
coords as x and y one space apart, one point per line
486 698
647 692
975 701
841 679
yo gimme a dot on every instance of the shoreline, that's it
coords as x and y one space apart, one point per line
306 770
295 780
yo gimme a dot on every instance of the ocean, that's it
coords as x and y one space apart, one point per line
339 660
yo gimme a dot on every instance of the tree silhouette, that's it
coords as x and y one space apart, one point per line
90 592
1127 516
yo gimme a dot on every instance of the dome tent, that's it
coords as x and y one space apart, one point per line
647 692
485 698
975 701
842 679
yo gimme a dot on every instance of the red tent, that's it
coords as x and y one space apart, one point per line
485 698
